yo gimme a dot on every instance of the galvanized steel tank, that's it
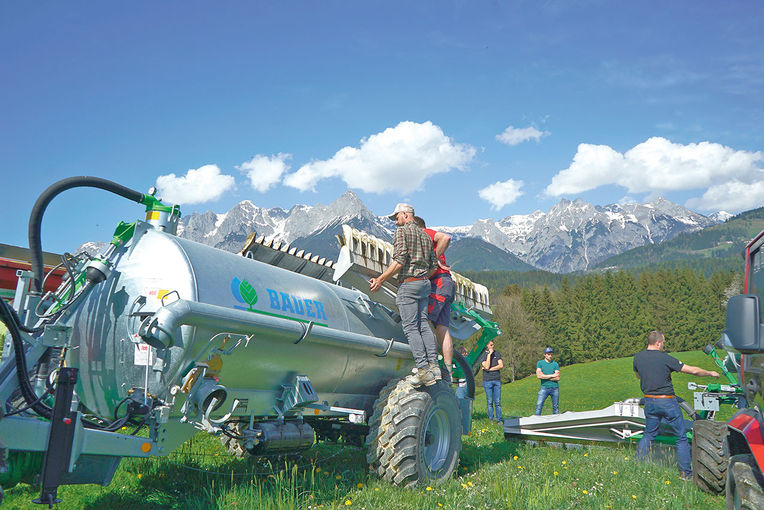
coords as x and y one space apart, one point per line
155 268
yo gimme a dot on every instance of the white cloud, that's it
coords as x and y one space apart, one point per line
500 194
204 184
658 165
734 196
516 136
397 159
264 172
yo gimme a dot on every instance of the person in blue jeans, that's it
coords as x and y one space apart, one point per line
492 364
653 368
549 373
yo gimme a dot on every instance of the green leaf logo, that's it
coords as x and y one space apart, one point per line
248 293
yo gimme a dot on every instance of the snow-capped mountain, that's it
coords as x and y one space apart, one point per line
571 236
313 227
576 235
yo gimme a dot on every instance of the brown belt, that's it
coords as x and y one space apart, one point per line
660 396
414 279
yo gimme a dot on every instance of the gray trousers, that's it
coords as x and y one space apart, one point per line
412 300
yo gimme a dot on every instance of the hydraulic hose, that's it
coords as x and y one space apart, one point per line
35 218
27 392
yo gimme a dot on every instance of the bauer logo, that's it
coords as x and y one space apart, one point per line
278 301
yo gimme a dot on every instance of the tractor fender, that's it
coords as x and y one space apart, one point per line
747 435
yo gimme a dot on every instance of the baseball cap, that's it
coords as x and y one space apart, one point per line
407 208
548 350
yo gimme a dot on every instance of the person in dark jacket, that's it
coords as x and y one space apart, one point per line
653 368
492 364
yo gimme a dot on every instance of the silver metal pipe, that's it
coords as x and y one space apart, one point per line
164 327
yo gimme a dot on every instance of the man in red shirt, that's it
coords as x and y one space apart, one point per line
442 291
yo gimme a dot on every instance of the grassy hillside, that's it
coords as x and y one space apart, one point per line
494 473
714 248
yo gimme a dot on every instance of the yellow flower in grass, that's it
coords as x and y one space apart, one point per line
515 457
625 458
668 482
428 488
586 455
556 473
585 491
633 496
348 502
615 472
440 504
470 484
338 477
359 485
564 462
376 488
140 475
464 485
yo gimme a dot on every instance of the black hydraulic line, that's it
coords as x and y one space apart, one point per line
468 374
27 392
35 218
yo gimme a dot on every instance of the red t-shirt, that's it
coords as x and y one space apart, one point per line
430 232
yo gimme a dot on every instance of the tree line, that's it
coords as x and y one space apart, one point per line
608 315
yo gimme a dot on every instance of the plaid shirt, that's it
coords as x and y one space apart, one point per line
412 248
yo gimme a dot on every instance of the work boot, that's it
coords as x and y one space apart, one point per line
422 376
435 371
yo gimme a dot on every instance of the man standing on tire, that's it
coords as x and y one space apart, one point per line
653 368
549 373
442 290
414 259
492 364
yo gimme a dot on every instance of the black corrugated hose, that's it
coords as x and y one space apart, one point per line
35 218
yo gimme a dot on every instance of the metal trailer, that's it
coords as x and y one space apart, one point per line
164 333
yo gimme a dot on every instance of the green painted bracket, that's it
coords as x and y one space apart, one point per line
490 331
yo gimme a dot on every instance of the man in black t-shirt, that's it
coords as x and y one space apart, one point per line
653 368
492 363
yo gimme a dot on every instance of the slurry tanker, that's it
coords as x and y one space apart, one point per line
270 349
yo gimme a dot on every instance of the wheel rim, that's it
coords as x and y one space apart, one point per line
436 439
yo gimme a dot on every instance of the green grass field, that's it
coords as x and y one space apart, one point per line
494 473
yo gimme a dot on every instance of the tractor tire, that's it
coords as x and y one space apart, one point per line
710 455
414 434
745 484
233 446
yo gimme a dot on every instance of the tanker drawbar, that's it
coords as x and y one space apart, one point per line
269 349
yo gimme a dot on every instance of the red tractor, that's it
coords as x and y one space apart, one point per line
744 440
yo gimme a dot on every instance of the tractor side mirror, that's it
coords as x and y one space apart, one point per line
744 323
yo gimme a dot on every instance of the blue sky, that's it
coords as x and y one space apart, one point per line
465 109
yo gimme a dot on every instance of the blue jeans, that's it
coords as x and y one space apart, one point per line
412 300
493 397
668 410
543 394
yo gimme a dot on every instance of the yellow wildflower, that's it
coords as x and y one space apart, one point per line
359 485
556 473
470 484
633 496
376 488
464 485
564 462
428 488
515 457
338 477
585 492
668 482
140 475
348 502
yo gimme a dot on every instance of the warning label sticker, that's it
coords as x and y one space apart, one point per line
144 355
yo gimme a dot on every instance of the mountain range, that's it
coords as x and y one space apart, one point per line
571 236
